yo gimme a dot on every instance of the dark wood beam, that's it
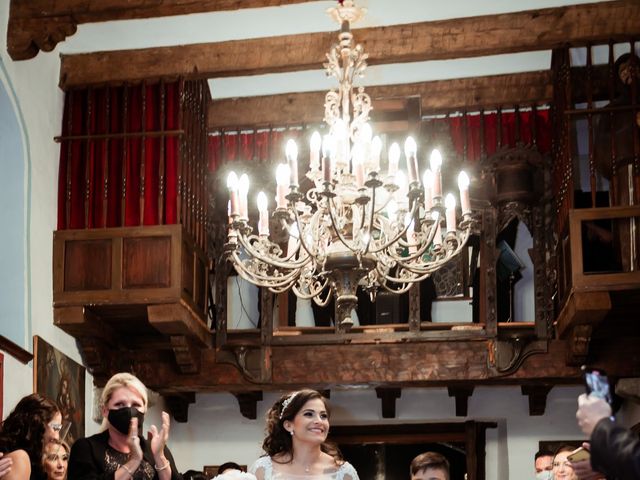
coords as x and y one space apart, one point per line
15 350
436 96
178 405
537 398
419 364
388 397
40 24
456 38
461 394
248 402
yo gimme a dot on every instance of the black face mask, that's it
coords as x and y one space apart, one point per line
120 418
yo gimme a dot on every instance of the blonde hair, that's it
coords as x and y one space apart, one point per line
120 380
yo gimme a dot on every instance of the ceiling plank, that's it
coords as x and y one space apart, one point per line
458 38
40 24
459 94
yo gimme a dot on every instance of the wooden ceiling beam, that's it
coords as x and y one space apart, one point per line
456 38
458 94
36 25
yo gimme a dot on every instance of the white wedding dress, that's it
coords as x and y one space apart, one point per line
263 470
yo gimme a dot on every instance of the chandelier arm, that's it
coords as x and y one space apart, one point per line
384 205
400 234
260 279
371 218
312 292
419 252
337 230
271 285
322 302
300 239
286 264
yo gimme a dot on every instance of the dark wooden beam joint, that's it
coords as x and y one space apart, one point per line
15 350
461 394
178 405
537 398
578 344
248 402
388 397
186 352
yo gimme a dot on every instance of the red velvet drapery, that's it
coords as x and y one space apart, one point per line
119 156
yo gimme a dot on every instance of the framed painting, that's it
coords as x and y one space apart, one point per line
59 378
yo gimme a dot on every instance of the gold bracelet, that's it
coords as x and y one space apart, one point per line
126 469
163 467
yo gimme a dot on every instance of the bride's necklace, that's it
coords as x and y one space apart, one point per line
306 468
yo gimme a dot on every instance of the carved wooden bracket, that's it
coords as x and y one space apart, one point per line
253 362
388 397
27 36
506 356
537 398
578 344
248 402
461 394
186 352
178 405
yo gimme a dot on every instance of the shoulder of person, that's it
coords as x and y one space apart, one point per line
21 466
261 462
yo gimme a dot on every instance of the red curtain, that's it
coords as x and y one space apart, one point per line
118 163
259 146
485 133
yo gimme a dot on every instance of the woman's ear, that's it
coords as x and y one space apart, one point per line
287 425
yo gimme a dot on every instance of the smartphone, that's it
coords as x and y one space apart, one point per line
578 455
597 383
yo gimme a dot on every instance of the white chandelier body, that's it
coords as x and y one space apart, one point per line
355 226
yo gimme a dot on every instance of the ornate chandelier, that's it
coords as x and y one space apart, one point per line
355 226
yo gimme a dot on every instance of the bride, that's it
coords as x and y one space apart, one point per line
295 445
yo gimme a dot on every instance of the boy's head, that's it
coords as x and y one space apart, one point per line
429 466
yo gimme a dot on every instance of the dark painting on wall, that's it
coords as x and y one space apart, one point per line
59 378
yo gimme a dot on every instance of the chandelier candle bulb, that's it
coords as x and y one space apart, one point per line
450 205
232 185
243 190
327 153
463 185
436 167
314 152
376 148
394 160
427 181
263 219
410 149
282 177
291 152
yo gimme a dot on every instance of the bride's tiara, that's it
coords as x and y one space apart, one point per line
286 403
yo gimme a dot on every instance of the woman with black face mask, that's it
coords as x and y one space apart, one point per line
121 452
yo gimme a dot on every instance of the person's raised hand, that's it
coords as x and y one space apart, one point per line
158 439
583 468
5 465
591 410
133 441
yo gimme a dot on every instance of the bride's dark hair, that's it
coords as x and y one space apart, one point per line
278 440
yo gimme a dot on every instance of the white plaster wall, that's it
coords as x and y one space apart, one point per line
217 432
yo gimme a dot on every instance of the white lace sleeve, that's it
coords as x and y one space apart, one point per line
262 468
347 472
